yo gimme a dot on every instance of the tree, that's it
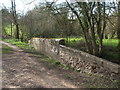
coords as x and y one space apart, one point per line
118 31
65 20
15 18
92 20
6 19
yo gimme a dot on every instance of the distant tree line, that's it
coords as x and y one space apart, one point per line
92 20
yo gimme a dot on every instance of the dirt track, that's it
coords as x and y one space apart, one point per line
20 70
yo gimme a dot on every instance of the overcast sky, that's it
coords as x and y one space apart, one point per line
22 5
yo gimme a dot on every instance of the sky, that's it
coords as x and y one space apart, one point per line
22 5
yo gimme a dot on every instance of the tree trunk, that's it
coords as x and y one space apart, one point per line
83 29
17 31
118 31
11 28
15 18
103 21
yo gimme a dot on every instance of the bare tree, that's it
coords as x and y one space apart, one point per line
118 31
15 18
93 22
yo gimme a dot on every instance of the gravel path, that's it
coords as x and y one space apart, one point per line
19 70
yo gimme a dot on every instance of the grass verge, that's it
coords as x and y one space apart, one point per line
6 50
110 50
23 45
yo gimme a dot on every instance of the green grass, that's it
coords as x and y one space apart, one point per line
8 29
6 50
22 45
75 39
53 63
110 42
106 42
110 51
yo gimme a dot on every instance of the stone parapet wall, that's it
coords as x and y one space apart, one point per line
75 58
88 63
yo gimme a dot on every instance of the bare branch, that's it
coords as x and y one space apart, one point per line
30 2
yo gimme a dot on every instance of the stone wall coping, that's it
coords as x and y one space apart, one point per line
57 39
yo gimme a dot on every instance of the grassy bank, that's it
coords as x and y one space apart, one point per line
23 45
110 51
110 42
6 50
